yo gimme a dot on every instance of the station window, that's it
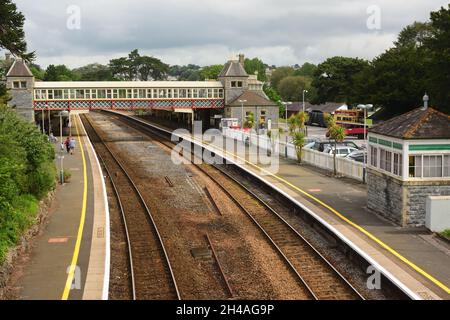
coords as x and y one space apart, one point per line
115 93
129 93
210 93
385 160
80 94
16 84
149 93
50 94
141 94
155 93
189 93
58 94
202 93
87 94
175 93
398 164
239 84
233 84
23 84
183 93
122 93
373 156
101 94
163 93
169 93
220 93
429 166
194 93
93 94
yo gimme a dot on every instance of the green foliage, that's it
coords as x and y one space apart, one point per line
27 173
211 72
334 79
273 95
279 74
296 125
93 72
37 71
249 121
337 134
256 65
446 233
291 88
306 70
137 67
12 35
191 72
59 73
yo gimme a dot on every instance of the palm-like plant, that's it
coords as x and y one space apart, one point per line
297 132
298 139
337 134
249 121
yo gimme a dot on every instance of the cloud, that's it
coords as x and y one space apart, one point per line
209 31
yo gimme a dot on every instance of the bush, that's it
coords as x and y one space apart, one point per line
27 174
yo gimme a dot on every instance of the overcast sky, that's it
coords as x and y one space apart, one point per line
204 32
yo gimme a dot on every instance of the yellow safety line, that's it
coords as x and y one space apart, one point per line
341 216
76 252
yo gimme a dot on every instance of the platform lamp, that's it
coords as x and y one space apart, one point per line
62 114
286 104
242 112
365 107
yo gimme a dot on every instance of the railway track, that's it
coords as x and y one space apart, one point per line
321 279
151 272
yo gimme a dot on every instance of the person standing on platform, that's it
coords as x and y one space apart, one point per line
67 144
72 144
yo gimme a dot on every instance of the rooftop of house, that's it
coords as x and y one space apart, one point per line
233 68
252 98
19 69
420 123
328 107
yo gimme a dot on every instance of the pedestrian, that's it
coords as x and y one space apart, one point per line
72 145
67 144
52 138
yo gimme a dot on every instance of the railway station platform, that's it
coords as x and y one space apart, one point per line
70 258
417 259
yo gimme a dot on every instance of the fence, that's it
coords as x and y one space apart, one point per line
345 167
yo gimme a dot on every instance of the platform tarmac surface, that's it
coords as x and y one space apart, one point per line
349 197
45 275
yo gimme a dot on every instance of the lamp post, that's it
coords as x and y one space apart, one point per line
61 156
286 104
304 91
365 107
242 113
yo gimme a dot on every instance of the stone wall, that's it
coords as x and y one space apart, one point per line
401 202
22 99
271 113
417 199
385 196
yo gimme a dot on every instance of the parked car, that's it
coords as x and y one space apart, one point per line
322 145
358 155
342 151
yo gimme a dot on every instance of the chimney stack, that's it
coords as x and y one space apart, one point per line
425 101
7 57
241 59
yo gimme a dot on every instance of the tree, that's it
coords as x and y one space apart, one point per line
291 88
334 79
296 125
59 73
335 133
306 70
37 71
256 65
249 122
211 72
279 74
137 67
119 68
438 46
414 35
273 95
12 36
93 72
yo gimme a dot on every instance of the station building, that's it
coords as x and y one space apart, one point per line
408 160
180 102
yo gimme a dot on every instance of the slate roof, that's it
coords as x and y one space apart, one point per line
19 69
419 123
329 107
233 69
253 99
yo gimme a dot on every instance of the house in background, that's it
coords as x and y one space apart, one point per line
316 111
408 162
